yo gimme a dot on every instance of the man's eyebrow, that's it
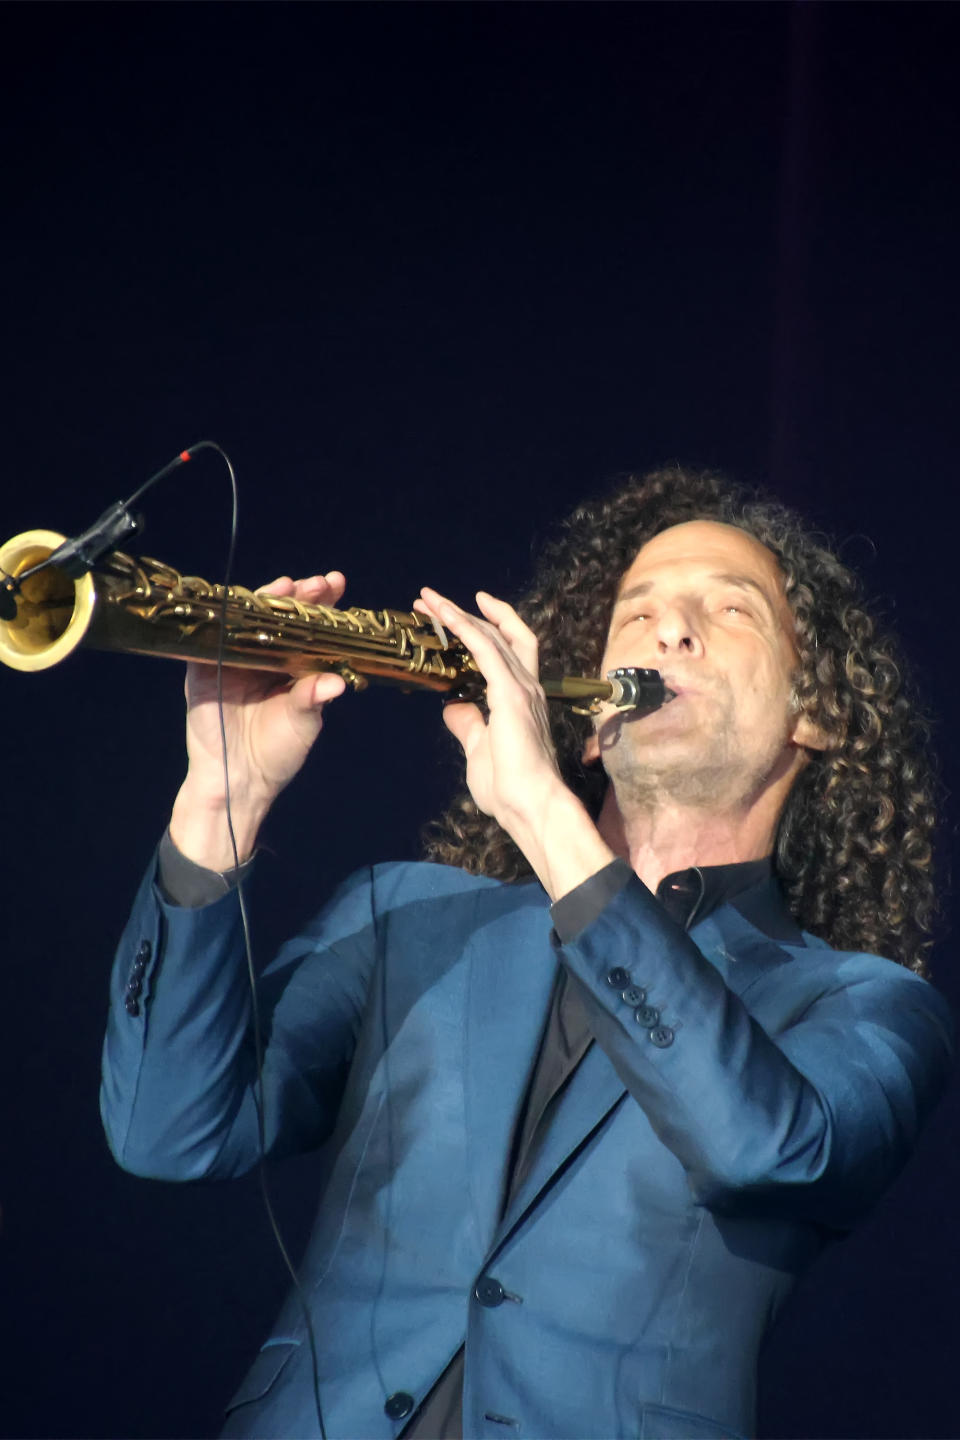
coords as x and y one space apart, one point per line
742 582
643 588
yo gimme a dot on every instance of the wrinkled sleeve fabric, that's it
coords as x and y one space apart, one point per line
804 1109
179 1062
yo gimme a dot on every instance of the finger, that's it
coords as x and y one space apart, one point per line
320 589
478 636
312 589
283 585
336 584
312 692
491 649
429 602
497 612
508 622
442 608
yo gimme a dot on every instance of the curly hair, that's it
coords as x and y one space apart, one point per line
854 843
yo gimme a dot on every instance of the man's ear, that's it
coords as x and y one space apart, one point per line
808 734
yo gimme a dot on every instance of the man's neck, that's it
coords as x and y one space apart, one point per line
670 837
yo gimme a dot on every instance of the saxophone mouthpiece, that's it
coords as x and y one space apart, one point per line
642 691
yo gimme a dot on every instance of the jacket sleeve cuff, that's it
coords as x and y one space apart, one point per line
183 883
573 912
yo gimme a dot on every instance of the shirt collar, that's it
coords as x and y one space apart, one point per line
691 895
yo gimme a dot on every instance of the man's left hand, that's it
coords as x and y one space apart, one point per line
512 769
511 763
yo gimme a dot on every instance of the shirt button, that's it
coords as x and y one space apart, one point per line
618 978
398 1405
489 1292
661 1036
647 1016
634 995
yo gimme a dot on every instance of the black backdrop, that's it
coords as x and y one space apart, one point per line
430 274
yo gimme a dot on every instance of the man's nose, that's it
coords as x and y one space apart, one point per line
677 631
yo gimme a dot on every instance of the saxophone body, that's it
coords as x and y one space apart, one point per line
144 607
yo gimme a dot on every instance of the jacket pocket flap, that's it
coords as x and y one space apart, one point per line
660 1422
263 1372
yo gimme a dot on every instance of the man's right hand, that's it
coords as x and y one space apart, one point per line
271 724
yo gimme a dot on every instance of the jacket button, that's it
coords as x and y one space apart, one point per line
618 978
134 986
647 1016
132 1005
661 1036
634 995
489 1292
398 1405
143 954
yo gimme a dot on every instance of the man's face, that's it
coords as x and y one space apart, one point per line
703 603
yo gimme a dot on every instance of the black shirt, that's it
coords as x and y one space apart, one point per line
687 896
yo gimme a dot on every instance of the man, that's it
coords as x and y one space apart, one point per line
590 1095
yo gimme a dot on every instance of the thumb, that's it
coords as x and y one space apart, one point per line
313 691
463 721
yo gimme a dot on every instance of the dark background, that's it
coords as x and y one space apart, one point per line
431 273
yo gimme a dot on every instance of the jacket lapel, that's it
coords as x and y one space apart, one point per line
728 939
593 1092
513 967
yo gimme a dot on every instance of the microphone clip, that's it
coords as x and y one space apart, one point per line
116 524
9 590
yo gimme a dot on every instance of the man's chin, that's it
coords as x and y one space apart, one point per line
669 776
643 733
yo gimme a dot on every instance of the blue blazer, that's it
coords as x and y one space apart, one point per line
691 1168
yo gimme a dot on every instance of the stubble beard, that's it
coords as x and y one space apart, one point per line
648 782
702 770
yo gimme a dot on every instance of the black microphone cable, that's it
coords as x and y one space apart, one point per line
76 557
244 921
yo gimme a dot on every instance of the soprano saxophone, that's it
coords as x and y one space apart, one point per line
144 607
